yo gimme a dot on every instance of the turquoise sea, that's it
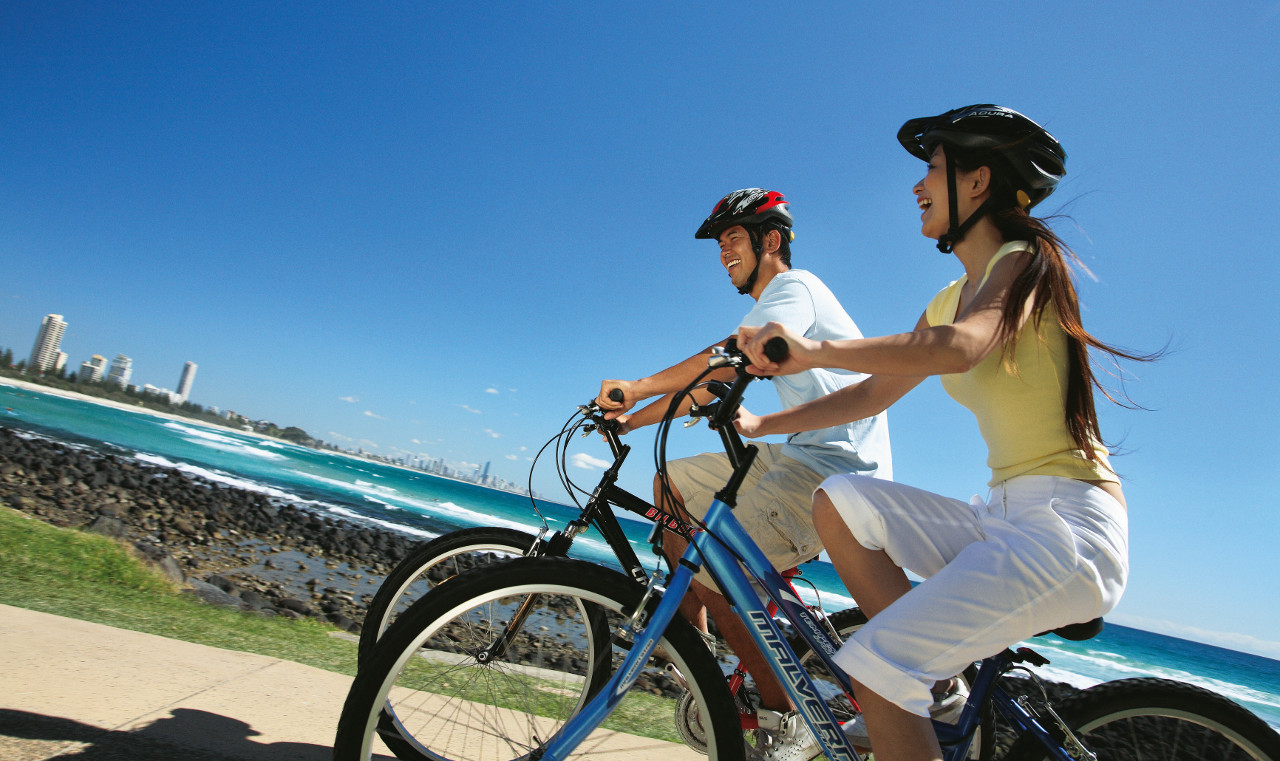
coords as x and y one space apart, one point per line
426 506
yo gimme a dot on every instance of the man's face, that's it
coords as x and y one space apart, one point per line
736 254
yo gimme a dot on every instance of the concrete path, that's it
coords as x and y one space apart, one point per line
85 691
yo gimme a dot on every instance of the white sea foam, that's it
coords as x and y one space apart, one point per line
222 478
398 527
222 442
1094 666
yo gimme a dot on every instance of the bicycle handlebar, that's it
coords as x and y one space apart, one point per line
777 349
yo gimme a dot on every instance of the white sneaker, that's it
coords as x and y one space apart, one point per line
792 741
946 708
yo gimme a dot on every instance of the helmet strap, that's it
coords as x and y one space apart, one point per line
955 232
757 245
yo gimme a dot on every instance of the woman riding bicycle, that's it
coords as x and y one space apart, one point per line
1049 545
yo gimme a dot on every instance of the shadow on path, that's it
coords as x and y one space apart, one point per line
186 734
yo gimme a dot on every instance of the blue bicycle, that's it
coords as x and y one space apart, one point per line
533 690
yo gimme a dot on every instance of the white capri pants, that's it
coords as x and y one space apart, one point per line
1041 552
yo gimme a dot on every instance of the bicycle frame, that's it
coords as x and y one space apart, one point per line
597 512
721 547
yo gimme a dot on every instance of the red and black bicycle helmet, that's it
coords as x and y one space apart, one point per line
1027 158
756 209
746 207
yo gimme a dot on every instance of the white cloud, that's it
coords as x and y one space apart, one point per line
587 462
491 390
513 457
414 441
368 413
493 434
469 409
339 437
349 399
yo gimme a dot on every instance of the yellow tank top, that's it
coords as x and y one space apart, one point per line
1020 405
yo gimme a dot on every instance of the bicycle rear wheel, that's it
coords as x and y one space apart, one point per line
455 695
440 559
1134 719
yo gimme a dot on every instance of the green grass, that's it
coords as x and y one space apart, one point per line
93 578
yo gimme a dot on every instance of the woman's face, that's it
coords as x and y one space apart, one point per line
931 195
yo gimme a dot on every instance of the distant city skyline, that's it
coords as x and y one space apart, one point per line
46 356
96 369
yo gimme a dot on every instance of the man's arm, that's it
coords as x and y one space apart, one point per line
665 384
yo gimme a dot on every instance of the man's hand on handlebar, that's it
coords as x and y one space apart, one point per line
747 423
775 349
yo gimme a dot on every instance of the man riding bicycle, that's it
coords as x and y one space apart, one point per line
753 228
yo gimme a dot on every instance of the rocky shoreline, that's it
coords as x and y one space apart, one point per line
228 546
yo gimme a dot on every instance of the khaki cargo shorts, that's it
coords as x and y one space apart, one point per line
775 503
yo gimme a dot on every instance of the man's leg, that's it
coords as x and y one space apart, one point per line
673 546
703 600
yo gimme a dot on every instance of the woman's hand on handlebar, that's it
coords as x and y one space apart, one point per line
616 397
752 341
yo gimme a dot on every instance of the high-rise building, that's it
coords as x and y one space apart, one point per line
94 369
188 377
44 355
121 370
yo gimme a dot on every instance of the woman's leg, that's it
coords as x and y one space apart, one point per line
875 582
871 576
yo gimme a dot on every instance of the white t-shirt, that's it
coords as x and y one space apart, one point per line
799 300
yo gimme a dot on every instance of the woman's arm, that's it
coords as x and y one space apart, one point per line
928 350
861 400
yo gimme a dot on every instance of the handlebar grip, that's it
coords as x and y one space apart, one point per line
616 395
777 349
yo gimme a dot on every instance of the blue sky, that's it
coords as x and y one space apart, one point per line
433 228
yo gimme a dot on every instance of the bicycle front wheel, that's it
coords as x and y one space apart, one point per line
440 559
463 684
1134 719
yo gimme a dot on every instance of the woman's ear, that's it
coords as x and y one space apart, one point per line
979 181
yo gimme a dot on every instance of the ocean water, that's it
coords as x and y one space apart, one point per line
426 506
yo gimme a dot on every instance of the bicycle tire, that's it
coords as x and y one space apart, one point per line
1134 719
846 622
402 735
429 564
463 720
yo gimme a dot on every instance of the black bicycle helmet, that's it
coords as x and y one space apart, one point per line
755 209
1031 160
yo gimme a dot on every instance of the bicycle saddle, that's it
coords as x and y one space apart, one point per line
1078 632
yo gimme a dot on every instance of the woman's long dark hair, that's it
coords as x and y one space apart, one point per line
1047 280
